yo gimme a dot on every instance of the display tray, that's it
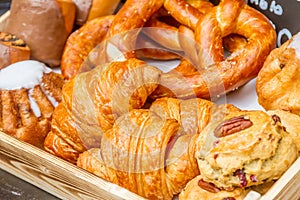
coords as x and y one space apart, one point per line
67 181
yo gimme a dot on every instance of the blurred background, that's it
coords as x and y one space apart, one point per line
4 6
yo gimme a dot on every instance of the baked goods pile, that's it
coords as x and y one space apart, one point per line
158 133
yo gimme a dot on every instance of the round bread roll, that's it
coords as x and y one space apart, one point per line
278 82
89 9
43 25
244 149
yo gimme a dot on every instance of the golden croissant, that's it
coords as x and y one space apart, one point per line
92 101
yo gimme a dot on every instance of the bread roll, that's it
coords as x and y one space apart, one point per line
43 25
89 9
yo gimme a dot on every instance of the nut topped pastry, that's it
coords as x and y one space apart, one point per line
278 82
29 92
244 149
198 189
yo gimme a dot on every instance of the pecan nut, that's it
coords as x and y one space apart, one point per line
232 125
210 187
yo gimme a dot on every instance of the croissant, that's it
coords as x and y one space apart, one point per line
151 151
277 83
92 101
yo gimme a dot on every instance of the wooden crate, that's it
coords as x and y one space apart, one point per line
67 181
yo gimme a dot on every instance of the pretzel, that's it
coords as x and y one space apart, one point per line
203 31
81 42
133 14
228 73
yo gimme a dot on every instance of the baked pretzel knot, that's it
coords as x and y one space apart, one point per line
229 20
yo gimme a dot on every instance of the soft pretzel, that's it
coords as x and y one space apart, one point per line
233 71
146 48
133 15
81 42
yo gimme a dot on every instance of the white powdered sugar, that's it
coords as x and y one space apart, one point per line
23 74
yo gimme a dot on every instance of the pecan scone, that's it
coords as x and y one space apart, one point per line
198 189
244 149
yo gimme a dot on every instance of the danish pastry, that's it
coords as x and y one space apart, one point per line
29 93
278 81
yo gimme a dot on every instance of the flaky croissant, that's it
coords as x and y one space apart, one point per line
152 151
148 151
93 100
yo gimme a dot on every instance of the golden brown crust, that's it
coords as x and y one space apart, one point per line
81 42
233 71
243 149
277 83
92 101
139 142
186 13
12 49
167 131
132 15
